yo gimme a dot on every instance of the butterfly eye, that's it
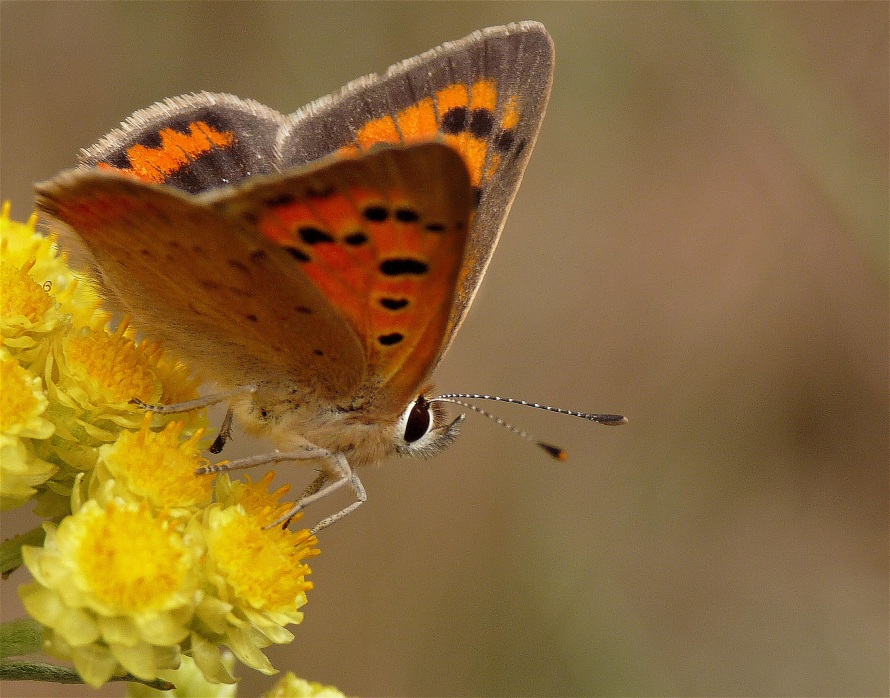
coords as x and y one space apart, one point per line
418 423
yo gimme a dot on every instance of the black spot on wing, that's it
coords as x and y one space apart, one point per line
481 123
505 140
152 139
394 303
389 340
299 255
283 199
355 239
403 266
313 236
407 215
454 120
320 192
376 214
120 160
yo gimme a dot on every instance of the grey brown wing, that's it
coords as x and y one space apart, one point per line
193 142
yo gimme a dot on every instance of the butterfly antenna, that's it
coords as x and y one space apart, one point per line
551 450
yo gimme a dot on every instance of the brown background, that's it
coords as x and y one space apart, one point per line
700 243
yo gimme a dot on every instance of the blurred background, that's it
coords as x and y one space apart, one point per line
700 243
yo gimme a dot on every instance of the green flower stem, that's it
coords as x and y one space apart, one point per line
32 671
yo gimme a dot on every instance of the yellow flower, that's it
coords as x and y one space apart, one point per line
22 401
156 467
28 314
122 588
291 686
22 405
116 586
142 570
38 291
20 472
91 376
189 681
255 576
52 326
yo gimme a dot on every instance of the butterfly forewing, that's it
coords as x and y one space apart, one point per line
382 237
485 95
194 142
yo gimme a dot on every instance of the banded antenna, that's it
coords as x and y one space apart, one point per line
611 420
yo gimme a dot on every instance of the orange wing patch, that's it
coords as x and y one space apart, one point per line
176 149
375 257
465 115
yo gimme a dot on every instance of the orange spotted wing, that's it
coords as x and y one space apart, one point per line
334 280
373 250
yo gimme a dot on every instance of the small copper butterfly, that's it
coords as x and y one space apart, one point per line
318 265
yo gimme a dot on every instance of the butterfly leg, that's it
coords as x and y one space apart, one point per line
315 485
360 498
347 475
307 452
190 405
318 489
225 433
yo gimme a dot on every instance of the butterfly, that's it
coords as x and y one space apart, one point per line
317 265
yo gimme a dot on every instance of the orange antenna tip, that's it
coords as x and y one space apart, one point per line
554 451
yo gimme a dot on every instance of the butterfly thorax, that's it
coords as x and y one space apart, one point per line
355 430
289 424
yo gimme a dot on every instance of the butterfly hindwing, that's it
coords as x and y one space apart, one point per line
193 142
339 275
210 288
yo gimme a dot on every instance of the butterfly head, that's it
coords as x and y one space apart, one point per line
423 428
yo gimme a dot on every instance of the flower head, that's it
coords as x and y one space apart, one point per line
256 576
21 472
190 682
110 605
142 569
22 407
22 402
38 291
155 466
291 686
71 391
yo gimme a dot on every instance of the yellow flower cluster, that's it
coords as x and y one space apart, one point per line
190 683
67 377
144 563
